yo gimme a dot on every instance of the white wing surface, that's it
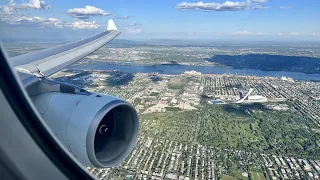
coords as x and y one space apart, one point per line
45 62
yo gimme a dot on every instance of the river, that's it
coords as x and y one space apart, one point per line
179 69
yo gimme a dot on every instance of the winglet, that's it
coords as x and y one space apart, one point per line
111 26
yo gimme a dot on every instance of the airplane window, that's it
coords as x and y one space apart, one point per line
171 89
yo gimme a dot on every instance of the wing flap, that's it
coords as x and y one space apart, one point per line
27 79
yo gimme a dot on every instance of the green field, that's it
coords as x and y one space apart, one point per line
225 177
239 175
173 109
257 176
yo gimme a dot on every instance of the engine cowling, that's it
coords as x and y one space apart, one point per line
99 130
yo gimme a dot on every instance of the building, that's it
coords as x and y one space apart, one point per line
242 99
248 98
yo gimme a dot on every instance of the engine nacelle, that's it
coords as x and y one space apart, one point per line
99 130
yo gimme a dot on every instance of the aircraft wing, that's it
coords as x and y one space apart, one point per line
35 65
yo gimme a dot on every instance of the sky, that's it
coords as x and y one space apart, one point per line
162 19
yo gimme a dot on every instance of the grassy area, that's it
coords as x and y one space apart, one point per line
173 109
172 125
225 177
154 94
239 175
257 176
176 86
223 129
235 176
137 100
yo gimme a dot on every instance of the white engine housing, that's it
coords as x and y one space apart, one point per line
99 130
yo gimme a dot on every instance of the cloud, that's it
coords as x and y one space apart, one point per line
226 6
133 24
132 31
87 12
28 20
12 8
316 34
39 22
25 21
84 25
201 6
55 22
246 33
53 19
35 21
123 17
286 7
259 1
32 4
7 10
10 16
10 13
258 7
296 34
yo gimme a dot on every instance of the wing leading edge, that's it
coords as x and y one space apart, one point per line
45 62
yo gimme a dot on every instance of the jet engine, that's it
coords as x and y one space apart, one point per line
99 130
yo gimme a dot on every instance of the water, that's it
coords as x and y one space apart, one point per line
179 69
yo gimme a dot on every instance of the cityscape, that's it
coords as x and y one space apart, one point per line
161 90
182 136
274 133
